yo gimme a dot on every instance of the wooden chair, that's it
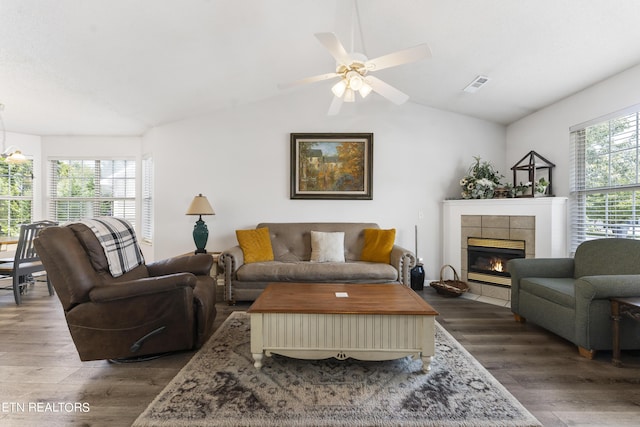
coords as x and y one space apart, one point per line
26 260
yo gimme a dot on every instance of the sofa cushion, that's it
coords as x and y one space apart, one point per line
276 271
291 241
327 247
255 245
378 245
607 256
557 290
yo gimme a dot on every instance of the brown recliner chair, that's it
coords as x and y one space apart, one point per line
156 308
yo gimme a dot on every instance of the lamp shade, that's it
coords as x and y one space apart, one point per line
200 206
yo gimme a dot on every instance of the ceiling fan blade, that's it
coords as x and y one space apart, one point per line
386 90
335 106
307 80
400 57
331 42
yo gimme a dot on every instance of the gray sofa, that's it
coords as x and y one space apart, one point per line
291 244
570 296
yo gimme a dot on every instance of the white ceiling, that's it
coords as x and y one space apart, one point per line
119 67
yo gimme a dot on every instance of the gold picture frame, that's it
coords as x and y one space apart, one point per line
332 166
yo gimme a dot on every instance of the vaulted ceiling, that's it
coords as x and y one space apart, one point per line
119 67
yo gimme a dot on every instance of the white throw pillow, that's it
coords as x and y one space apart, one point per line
327 247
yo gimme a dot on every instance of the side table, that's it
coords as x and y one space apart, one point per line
215 269
619 307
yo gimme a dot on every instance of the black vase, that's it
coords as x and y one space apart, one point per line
417 277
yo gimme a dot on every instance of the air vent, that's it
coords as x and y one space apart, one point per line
476 84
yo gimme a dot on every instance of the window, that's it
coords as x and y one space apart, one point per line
147 200
16 196
605 185
90 188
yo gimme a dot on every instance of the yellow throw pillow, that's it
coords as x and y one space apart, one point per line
378 245
255 245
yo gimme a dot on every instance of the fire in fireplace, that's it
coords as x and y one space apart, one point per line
487 259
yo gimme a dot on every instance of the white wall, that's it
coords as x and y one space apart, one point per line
240 159
547 131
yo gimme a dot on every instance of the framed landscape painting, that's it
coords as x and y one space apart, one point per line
332 166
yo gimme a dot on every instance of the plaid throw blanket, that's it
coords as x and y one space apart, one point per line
118 240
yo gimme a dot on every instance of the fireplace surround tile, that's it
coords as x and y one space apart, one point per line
521 221
471 221
475 288
529 237
464 258
468 232
494 221
496 292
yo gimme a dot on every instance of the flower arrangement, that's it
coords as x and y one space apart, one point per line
481 180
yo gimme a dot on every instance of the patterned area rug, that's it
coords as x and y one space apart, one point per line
220 387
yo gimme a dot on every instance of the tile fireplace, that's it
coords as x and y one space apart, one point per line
540 222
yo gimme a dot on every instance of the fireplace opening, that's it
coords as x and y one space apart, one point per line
487 259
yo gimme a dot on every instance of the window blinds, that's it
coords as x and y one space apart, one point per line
147 200
91 188
604 180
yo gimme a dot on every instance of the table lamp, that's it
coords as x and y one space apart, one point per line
200 206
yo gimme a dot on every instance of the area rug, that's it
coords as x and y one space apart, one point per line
221 387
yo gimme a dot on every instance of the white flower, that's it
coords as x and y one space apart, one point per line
486 183
463 181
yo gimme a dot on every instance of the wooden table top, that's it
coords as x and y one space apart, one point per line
321 298
8 240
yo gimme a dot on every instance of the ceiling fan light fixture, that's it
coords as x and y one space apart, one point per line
349 95
11 154
365 90
339 88
355 80
16 157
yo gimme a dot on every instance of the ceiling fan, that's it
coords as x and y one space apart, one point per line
353 70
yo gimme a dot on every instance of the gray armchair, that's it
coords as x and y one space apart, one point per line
570 296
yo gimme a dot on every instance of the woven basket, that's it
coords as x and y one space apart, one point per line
450 288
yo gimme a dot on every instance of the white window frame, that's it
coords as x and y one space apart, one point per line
585 226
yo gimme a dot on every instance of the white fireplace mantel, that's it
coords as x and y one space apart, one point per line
550 223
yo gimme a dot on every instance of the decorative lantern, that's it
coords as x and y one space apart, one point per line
538 178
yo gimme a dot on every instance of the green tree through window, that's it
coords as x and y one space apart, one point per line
16 196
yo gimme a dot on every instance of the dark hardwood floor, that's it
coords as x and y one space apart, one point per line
39 366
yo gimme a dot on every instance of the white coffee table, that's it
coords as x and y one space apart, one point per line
362 321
